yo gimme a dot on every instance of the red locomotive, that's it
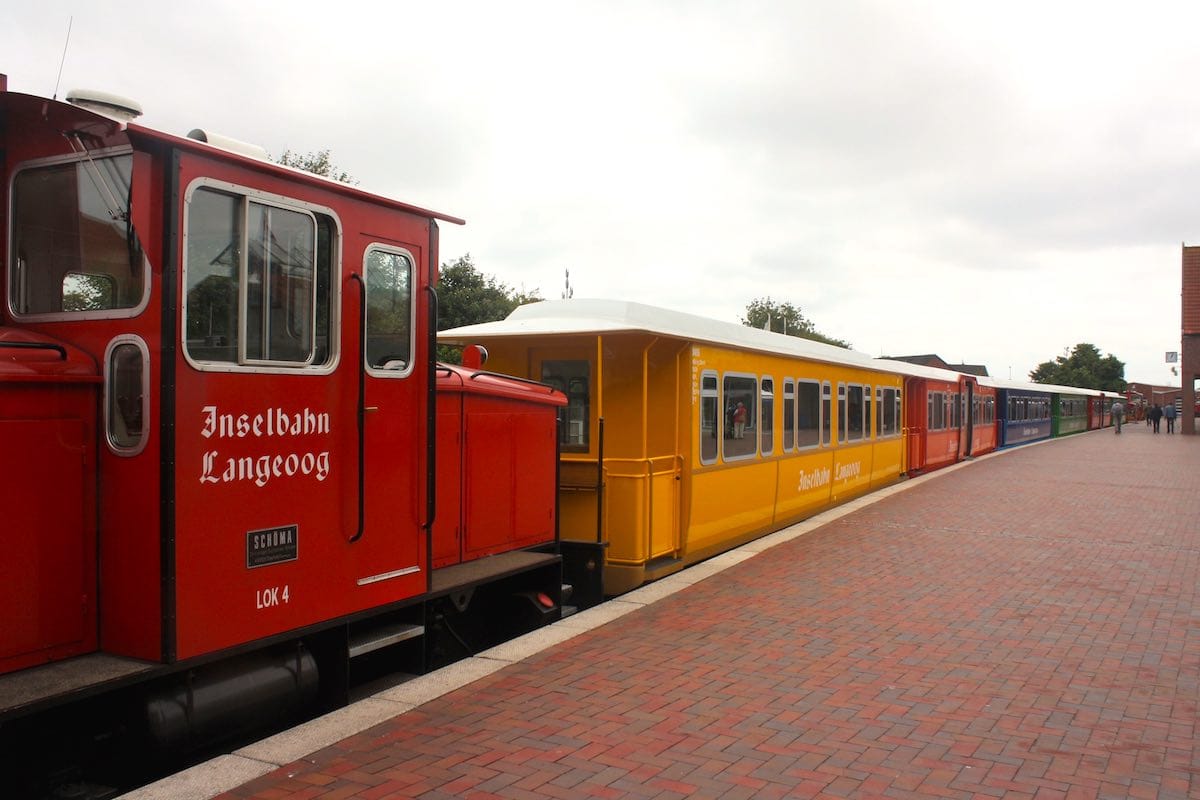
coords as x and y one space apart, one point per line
218 402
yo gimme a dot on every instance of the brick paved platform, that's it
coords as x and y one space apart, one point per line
1026 626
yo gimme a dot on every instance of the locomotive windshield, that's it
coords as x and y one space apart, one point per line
73 247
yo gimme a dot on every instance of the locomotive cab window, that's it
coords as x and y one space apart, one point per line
389 322
73 250
258 281
126 395
572 378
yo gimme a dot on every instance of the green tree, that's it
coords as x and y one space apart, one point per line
467 297
784 318
1083 367
318 163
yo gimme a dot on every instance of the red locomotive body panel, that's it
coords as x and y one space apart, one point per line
276 451
48 573
496 465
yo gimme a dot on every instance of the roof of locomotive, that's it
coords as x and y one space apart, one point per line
596 317
61 116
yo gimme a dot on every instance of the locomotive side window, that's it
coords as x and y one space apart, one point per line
389 309
789 414
74 250
710 421
741 419
258 282
572 378
126 394
808 410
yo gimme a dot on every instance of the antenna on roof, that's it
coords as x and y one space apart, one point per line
70 20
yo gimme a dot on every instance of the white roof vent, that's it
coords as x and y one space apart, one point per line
110 105
229 143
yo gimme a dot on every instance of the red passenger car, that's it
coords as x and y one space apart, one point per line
949 416
217 396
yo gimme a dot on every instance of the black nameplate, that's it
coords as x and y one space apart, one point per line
272 546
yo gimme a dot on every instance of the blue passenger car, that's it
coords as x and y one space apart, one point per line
1023 412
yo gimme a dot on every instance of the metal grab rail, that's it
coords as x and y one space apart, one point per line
58 348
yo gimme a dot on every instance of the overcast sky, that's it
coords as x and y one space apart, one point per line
994 182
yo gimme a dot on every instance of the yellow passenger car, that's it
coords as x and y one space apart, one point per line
685 436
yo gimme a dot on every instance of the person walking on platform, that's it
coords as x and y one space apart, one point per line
1155 416
1169 413
1118 414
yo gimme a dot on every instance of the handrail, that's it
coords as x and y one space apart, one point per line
486 374
362 405
431 418
62 351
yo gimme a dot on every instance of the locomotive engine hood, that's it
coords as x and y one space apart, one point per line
31 356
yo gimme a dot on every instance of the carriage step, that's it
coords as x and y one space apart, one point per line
373 639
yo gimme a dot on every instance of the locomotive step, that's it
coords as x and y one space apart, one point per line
369 641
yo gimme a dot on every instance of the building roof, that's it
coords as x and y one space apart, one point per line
934 360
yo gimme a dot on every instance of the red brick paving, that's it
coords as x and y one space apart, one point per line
950 641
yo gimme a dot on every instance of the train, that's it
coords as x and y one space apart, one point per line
655 474
239 484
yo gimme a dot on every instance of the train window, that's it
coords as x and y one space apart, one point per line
879 410
126 395
850 404
280 291
808 413
73 248
710 423
789 414
572 378
767 417
886 408
389 320
866 423
955 401
937 411
826 413
258 279
741 420
989 410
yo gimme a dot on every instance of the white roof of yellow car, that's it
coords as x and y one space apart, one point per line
597 317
